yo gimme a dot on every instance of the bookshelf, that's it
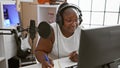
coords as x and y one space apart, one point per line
37 12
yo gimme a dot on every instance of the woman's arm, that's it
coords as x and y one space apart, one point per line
43 48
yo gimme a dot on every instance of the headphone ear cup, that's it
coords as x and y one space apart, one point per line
80 19
59 19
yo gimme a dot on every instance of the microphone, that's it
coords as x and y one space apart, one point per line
44 29
32 29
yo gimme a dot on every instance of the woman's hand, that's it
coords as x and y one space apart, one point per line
46 64
73 56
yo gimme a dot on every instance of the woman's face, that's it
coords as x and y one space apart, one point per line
71 20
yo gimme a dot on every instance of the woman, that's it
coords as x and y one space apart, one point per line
64 38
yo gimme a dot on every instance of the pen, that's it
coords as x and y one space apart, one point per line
47 59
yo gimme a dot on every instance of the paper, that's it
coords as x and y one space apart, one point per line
58 63
63 62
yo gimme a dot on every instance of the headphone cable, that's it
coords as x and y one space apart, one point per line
57 40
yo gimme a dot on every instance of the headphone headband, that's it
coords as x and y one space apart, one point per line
70 6
64 6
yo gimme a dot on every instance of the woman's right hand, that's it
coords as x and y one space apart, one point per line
73 56
46 64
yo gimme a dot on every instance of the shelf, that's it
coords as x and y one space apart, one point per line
2 58
48 5
7 2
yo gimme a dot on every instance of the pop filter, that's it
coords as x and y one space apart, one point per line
44 29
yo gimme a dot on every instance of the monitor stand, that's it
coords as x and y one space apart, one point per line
106 65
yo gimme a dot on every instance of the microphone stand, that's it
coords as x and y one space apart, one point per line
32 37
107 65
20 29
32 49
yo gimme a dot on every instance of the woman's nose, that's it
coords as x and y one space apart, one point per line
74 23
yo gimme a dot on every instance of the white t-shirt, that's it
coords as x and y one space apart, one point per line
63 46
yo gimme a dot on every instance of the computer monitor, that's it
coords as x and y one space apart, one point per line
11 15
99 47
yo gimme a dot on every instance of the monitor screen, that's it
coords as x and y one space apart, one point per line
11 15
99 47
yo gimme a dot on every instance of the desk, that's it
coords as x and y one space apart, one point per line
58 63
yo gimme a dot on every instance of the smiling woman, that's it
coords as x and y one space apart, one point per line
64 37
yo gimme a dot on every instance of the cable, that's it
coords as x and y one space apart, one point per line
58 46
57 41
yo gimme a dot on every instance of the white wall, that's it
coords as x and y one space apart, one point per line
10 46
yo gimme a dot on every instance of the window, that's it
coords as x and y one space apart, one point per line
98 13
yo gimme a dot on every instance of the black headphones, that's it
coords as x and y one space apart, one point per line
62 8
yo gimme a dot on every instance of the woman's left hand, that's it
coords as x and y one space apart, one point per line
73 56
